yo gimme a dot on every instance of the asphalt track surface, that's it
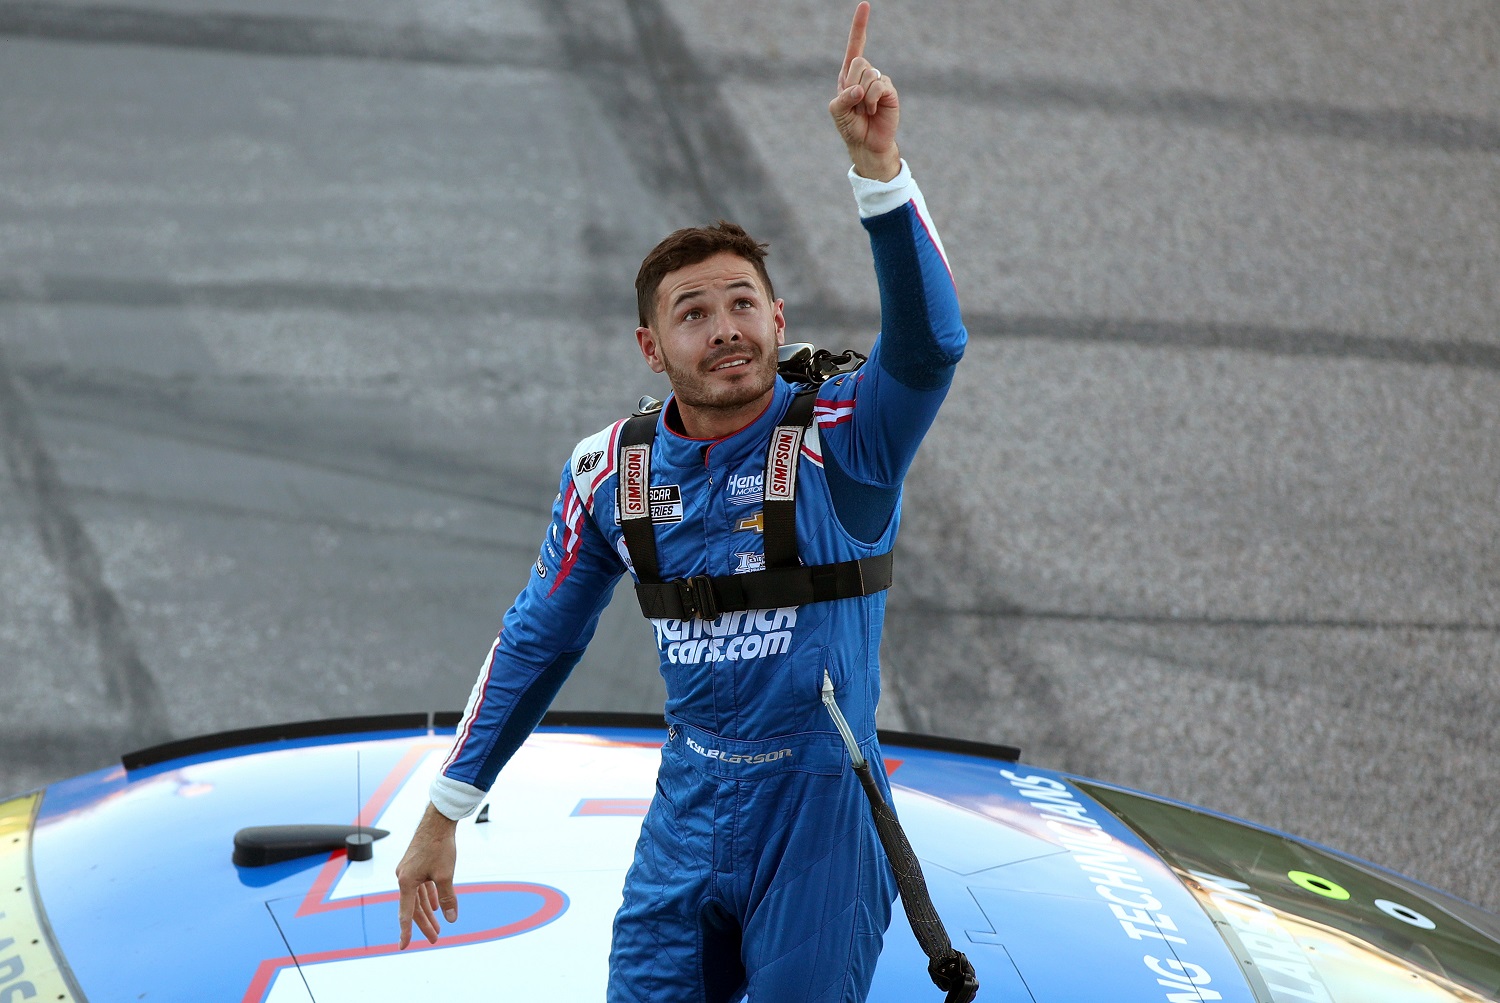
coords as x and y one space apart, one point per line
302 305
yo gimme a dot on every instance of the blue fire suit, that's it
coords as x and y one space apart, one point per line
758 869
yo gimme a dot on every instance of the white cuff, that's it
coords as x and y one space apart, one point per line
454 798
876 198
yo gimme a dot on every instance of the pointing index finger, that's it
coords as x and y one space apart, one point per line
856 40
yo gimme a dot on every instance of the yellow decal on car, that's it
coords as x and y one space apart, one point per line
28 967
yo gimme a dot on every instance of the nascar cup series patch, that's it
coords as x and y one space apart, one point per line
666 503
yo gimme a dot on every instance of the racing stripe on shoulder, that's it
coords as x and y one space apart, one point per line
833 412
812 445
593 461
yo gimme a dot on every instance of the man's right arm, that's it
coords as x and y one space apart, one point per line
542 637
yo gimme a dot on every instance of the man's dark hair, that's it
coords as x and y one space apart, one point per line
689 246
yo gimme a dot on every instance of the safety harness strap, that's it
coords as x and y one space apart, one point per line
633 500
784 582
706 596
779 507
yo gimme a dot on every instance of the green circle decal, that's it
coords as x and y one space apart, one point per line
1318 886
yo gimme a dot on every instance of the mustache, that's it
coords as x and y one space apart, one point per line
748 350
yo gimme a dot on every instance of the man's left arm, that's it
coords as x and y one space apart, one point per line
874 420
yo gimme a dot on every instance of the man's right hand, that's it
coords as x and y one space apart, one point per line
866 108
425 876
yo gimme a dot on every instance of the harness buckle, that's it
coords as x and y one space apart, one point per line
698 597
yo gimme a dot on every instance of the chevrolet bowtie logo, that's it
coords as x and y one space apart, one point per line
756 522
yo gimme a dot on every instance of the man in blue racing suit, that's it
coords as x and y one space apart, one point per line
758 868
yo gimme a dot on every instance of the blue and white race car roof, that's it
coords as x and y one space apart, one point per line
1056 887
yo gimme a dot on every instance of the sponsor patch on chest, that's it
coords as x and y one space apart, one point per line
781 464
746 489
666 503
635 461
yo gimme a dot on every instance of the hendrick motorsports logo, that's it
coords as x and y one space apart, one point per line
733 637
746 489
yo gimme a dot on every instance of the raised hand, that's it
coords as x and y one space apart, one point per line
866 109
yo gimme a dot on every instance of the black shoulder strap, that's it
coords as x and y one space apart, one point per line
633 497
779 509
785 581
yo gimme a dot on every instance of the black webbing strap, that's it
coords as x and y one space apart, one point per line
784 582
706 597
950 970
779 507
633 500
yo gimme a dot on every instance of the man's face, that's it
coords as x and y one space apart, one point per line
715 333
